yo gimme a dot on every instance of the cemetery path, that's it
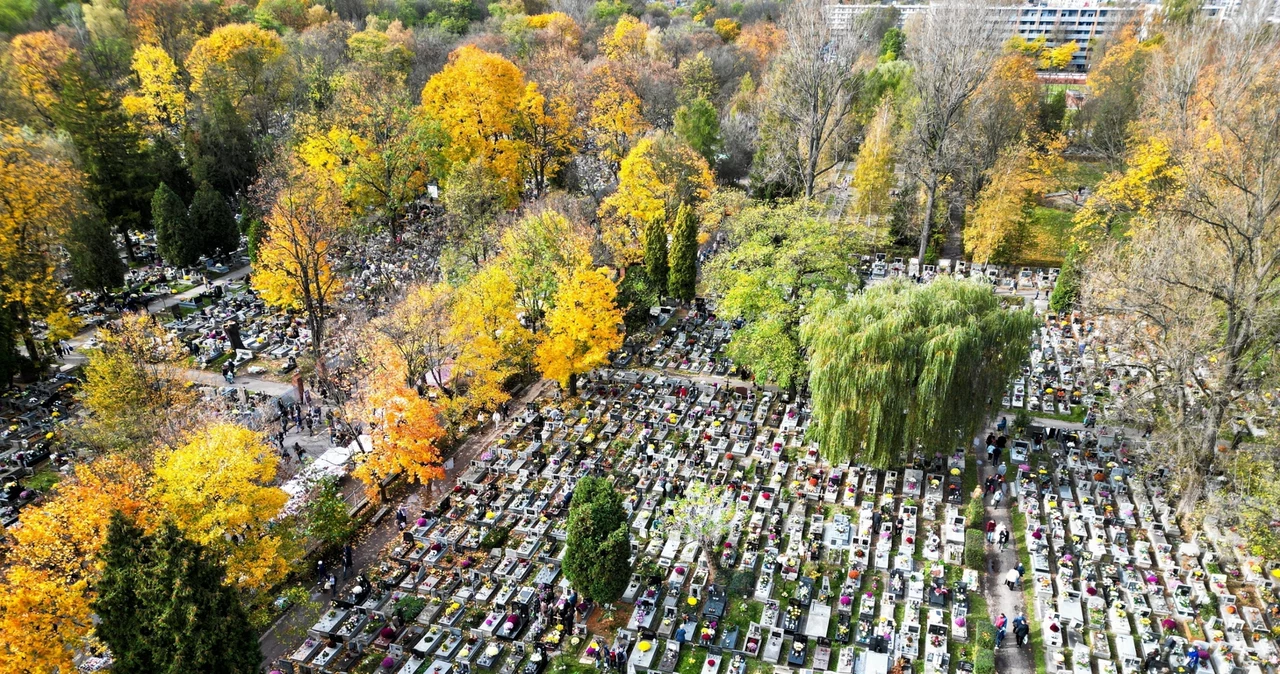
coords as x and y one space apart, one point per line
1000 599
285 633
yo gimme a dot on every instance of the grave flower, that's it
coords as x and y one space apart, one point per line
1168 623
388 662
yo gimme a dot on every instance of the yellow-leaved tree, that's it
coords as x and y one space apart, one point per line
627 40
293 267
216 487
873 175
477 98
616 120
161 100
536 253
999 226
404 429
583 327
38 58
549 134
133 387
492 345
45 593
660 173
416 331
42 193
243 64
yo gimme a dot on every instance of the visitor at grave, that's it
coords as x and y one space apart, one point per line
297 449
1193 659
991 452
1152 662
1003 424
320 575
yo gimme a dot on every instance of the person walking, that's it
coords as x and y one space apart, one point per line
1002 536
320 569
1011 579
991 531
348 560
1021 630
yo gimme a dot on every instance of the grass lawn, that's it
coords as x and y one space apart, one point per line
1083 173
44 478
1050 237
742 613
568 664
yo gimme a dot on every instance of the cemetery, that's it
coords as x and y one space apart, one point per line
813 567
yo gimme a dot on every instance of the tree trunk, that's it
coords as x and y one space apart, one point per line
573 386
930 205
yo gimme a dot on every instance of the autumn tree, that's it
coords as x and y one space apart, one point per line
538 251
477 99
999 225
217 487
132 386
903 367
404 430
474 198
550 134
952 49
616 120
417 330
56 566
873 172
38 59
161 99
683 280
42 191
812 83
1116 85
583 327
492 344
244 65
1202 240
1002 113
163 605
658 175
379 147
293 269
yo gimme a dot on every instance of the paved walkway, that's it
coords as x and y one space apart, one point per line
1000 599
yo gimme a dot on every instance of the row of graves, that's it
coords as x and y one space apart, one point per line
1063 374
880 266
1114 577
31 417
230 325
825 568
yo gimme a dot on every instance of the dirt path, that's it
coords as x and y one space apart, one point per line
1000 599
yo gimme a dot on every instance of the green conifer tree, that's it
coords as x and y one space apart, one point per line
683 279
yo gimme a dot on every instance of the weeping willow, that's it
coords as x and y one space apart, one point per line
905 366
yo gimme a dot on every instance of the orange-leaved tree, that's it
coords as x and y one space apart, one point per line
583 327
45 593
404 432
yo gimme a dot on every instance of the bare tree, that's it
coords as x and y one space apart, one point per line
812 87
952 46
1200 280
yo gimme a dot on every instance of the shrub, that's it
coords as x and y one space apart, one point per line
975 554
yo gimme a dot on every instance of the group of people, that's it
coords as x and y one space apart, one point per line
1021 630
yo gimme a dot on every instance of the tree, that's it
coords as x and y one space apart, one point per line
474 199
1001 114
42 196
492 344
216 486
47 591
38 59
379 147
615 121
213 221
1066 291
477 98
326 515
727 29
1116 84
952 49
655 254
404 429
417 330
812 85
873 174
176 241
93 257
583 327
538 252
110 150
903 366
697 79
1202 240
698 125
776 259
550 133
999 226
243 65
658 175
222 149
161 99
684 256
163 606
705 514
132 386
598 548
293 262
